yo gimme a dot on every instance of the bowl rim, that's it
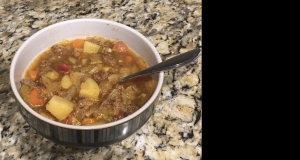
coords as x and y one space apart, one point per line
93 127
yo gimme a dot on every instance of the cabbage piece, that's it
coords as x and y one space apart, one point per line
24 91
131 94
141 63
134 69
149 86
50 85
75 121
105 84
70 93
95 59
76 79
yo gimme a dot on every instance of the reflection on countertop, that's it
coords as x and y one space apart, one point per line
173 27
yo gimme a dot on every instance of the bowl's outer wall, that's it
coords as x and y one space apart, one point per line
87 138
84 137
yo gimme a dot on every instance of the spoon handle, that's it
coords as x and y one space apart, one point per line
174 62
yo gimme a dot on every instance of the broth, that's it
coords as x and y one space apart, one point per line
76 82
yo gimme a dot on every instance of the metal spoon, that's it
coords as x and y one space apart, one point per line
174 62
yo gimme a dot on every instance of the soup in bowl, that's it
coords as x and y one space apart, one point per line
65 80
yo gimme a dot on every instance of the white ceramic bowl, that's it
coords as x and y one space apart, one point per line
84 136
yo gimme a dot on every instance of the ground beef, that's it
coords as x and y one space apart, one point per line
119 88
94 41
45 63
104 93
109 60
85 103
62 93
39 82
28 82
113 70
129 108
44 70
58 49
105 50
69 48
109 44
116 95
100 77
55 92
78 53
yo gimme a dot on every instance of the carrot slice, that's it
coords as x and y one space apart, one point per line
120 48
78 43
32 74
34 98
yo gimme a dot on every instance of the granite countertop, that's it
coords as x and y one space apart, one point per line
175 129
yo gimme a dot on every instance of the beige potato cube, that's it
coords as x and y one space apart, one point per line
84 61
66 82
59 107
89 89
73 60
91 48
105 68
52 75
113 78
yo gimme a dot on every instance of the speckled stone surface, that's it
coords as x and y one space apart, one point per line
173 26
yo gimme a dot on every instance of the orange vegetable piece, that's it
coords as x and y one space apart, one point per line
87 121
34 98
78 43
32 74
128 60
120 48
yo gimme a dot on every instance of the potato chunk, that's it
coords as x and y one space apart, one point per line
113 78
59 107
52 75
89 89
89 47
66 82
